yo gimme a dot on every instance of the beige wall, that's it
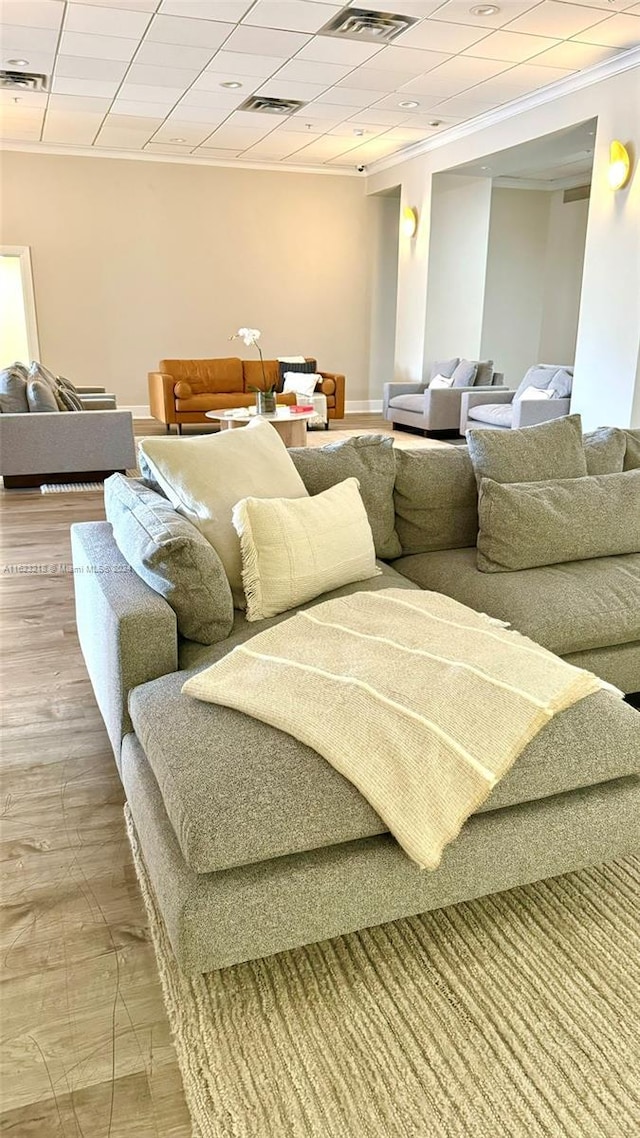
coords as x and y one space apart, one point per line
136 261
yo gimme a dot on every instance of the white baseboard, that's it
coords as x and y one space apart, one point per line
357 407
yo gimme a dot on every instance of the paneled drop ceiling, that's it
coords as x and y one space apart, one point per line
169 77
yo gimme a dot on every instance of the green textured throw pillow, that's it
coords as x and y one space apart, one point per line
436 499
604 450
372 460
172 556
526 524
529 454
632 452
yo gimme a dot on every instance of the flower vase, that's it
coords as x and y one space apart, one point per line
265 402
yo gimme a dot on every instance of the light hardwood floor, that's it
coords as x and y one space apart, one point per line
85 1041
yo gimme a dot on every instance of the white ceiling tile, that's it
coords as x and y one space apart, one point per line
29 100
238 65
348 129
16 40
392 102
520 80
317 111
100 88
77 128
105 21
11 132
217 79
78 103
113 138
348 97
415 8
290 15
126 125
39 61
465 71
192 133
187 33
323 49
238 137
302 122
371 80
606 5
123 106
512 47
97 47
167 148
173 55
259 41
618 31
136 122
409 134
323 149
254 119
276 146
464 106
228 11
435 35
212 96
459 12
291 89
216 152
148 6
413 61
307 72
143 93
574 56
32 13
557 19
75 67
212 115
161 76
382 118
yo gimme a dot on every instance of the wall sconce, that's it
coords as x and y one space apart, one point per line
409 221
619 165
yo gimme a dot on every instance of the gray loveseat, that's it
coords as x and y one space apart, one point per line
255 844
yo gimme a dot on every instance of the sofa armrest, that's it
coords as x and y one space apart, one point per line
498 379
91 390
54 442
338 391
529 412
390 390
162 403
127 632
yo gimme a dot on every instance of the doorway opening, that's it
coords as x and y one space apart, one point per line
18 325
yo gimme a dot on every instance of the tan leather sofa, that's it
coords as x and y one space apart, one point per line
182 391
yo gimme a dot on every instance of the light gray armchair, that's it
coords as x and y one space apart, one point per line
435 409
507 410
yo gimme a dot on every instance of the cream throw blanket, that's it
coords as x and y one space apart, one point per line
422 703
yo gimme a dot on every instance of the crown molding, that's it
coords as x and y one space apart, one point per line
550 187
624 61
9 145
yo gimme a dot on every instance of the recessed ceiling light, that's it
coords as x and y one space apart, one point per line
436 122
18 62
177 140
484 10
232 83
485 167
358 132
408 104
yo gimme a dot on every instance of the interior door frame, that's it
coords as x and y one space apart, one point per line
23 252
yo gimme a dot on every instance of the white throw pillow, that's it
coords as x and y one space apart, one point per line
441 381
203 478
295 550
291 360
300 382
537 393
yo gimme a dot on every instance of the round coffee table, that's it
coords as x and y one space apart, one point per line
290 425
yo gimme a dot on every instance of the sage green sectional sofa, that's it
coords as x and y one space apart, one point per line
253 842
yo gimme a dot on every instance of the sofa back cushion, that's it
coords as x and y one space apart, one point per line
632 452
436 500
13 390
540 375
206 375
40 396
372 460
604 450
526 524
530 454
172 556
253 375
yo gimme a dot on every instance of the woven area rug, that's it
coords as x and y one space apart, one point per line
514 1016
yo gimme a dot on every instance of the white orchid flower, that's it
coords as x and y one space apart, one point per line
249 336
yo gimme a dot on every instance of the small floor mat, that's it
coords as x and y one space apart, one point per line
69 487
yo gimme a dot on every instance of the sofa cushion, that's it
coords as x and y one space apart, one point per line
571 607
207 375
561 384
204 478
172 556
444 367
40 396
632 452
13 390
254 376
413 403
238 791
372 460
526 524
540 375
436 500
465 374
495 414
530 454
484 374
604 450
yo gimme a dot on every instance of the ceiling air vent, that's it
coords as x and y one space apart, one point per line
271 106
22 81
371 27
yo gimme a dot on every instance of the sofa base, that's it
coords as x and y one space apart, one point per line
24 481
216 920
